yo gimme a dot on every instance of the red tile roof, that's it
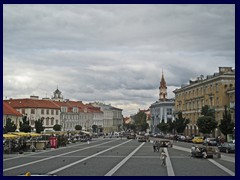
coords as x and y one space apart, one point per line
31 103
37 103
8 110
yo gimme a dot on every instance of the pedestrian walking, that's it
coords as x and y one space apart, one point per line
163 157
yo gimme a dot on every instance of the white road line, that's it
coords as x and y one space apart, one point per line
84 159
222 167
169 164
113 170
15 167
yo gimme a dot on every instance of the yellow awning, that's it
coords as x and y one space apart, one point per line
34 134
9 136
22 134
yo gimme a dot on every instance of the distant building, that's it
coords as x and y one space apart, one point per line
76 113
216 91
35 109
56 110
112 117
14 115
161 110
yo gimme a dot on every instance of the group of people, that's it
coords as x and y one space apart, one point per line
195 151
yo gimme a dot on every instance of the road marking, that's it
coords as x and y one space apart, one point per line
44 151
113 170
15 167
222 167
224 158
212 161
169 164
84 159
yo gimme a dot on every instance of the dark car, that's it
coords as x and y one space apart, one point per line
227 147
131 136
142 139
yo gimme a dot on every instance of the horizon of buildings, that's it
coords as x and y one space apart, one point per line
190 105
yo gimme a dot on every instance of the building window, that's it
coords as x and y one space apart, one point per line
47 121
42 111
32 111
56 112
52 112
47 111
64 109
56 121
216 87
52 121
169 111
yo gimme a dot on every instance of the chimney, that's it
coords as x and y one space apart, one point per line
34 97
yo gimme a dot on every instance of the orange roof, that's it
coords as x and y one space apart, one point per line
31 103
8 110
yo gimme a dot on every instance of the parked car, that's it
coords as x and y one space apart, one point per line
188 139
131 136
227 147
142 139
197 140
165 143
210 141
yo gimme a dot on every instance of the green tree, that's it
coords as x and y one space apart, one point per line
24 125
207 122
132 127
78 127
181 123
57 127
163 127
10 126
140 119
94 127
39 125
171 126
206 111
144 126
226 126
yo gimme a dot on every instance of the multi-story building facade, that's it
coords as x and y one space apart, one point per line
162 109
11 113
216 91
56 110
112 117
35 109
76 113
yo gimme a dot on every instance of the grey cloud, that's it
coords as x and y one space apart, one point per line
113 53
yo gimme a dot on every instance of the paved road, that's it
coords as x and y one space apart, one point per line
116 157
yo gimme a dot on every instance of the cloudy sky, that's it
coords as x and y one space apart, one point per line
113 53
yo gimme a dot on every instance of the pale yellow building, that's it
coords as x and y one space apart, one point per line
216 91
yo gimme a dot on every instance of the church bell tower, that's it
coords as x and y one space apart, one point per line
163 89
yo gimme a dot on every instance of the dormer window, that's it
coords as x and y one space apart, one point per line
75 109
63 109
